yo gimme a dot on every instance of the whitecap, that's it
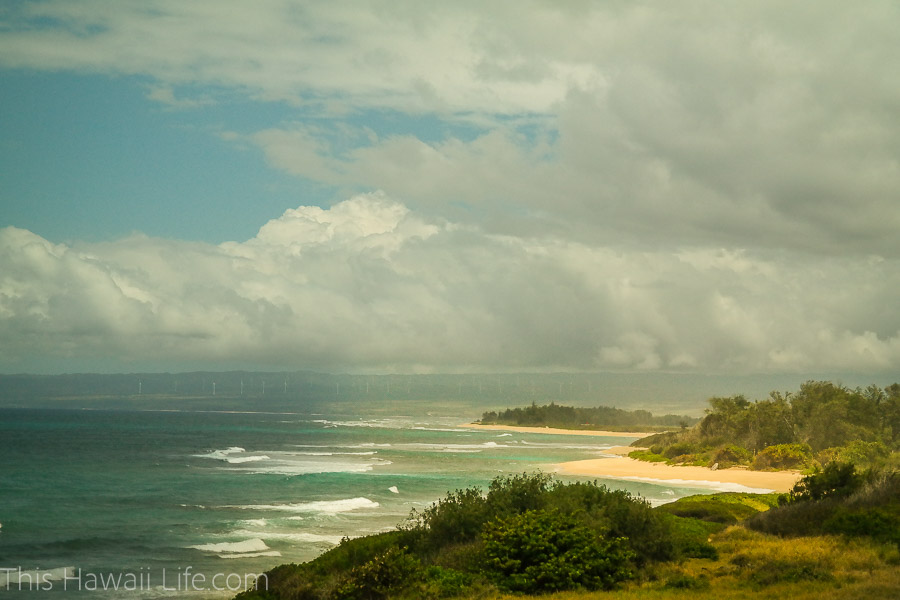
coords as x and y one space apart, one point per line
325 507
307 468
394 489
369 453
456 447
312 538
245 459
719 486
225 454
253 545
251 554
444 429
255 522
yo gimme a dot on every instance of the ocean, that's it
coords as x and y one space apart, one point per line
192 502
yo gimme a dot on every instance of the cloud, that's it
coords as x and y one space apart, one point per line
405 55
371 284
703 186
749 125
166 95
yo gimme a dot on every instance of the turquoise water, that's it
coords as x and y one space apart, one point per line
173 504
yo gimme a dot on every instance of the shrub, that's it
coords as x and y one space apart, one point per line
726 508
647 456
679 449
836 480
381 576
796 518
879 488
783 456
456 518
800 569
543 551
731 454
877 523
446 583
857 452
618 514
518 493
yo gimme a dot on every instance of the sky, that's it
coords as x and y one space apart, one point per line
404 186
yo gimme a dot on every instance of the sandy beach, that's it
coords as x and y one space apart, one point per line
619 466
553 431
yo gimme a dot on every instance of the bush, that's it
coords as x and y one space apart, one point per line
837 499
726 508
776 571
796 518
877 523
857 452
836 480
647 456
446 583
518 493
544 551
783 456
618 514
731 454
679 449
456 518
380 577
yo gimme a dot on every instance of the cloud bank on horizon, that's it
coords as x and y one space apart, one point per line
707 186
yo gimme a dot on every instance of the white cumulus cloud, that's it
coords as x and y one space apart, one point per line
371 284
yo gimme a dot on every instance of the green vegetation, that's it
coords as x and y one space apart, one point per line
838 499
601 417
532 535
819 424
529 534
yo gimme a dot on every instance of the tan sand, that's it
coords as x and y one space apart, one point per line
551 430
622 467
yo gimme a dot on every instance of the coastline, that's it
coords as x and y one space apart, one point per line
620 466
556 431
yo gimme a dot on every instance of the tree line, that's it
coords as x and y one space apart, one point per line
819 423
570 417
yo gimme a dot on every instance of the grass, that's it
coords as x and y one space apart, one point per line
752 565
647 456
715 556
725 508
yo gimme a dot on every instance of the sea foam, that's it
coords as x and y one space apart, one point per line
254 545
227 455
313 538
325 507
719 486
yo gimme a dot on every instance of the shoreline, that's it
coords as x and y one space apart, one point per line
557 431
620 466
